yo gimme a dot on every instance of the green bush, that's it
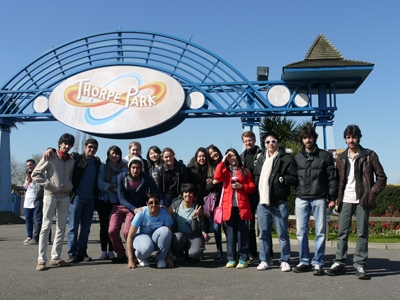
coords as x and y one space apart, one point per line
388 202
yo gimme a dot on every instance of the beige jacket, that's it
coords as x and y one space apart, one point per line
55 175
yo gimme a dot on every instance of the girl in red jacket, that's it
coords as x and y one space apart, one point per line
237 183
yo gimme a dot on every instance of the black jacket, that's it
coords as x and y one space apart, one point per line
284 166
196 223
317 175
179 169
79 169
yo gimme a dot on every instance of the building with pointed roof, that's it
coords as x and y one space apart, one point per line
324 61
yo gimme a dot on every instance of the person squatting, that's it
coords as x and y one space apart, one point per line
168 207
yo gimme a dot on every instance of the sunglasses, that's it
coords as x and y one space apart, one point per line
272 141
153 203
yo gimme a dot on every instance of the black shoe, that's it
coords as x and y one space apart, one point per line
336 269
178 262
317 270
219 257
119 260
361 274
301 268
196 261
86 258
73 259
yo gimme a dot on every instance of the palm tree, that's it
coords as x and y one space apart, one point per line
287 130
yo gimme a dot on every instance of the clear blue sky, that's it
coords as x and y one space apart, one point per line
245 33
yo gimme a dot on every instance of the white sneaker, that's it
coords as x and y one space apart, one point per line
103 256
111 255
161 264
285 267
143 262
334 265
263 266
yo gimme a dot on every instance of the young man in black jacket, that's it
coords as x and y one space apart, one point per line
318 183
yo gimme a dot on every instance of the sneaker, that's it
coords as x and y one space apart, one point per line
301 268
219 257
111 255
317 270
119 260
144 262
336 269
361 274
74 259
41 266
103 256
242 264
285 267
253 260
26 242
86 257
231 264
263 266
59 263
33 242
161 264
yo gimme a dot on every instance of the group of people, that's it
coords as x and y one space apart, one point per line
161 201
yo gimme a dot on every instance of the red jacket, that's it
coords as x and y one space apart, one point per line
223 175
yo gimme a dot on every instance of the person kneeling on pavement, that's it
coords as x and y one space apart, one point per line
150 230
188 219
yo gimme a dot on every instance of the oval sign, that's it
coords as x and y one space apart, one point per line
116 100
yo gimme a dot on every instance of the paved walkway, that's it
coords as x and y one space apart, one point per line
103 280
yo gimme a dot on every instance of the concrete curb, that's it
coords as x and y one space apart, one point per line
352 245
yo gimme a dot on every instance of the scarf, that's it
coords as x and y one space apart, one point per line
64 156
263 185
110 170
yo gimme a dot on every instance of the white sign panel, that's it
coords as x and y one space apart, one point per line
116 99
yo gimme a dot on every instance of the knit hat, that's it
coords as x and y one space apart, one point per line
135 158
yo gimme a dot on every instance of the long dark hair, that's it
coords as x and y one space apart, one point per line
212 162
156 150
239 164
117 150
201 169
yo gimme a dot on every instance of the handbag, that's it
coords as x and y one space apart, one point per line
209 204
218 215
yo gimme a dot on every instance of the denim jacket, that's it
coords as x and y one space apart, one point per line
104 194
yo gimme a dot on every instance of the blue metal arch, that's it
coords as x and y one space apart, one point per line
227 92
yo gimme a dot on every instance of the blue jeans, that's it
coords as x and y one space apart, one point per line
160 240
303 210
28 212
80 213
38 218
218 236
237 231
279 214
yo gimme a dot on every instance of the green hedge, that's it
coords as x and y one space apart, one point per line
388 202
